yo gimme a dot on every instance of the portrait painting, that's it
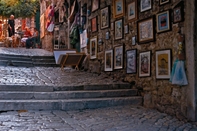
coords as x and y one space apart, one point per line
132 11
118 29
109 60
94 26
93 47
119 8
95 5
105 19
163 64
163 22
131 61
118 57
145 5
145 64
146 32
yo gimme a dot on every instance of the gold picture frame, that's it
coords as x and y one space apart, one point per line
118 8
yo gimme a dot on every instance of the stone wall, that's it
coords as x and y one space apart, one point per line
159 94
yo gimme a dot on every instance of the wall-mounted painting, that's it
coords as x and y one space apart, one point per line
93 47
145 64
131 60
118 8
109 60
94 25
119 57
163 21
145 5
132 11
105 17
118 27
163 64
95 5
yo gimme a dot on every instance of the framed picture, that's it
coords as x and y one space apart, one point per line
105 17
93 47
163 21
109 60
118 27
146 30
95 5
126 29
162 2
83 39
118 8
145 64
94 25
178 13
132 11
133 40
131 60
163 64
145 5
118 57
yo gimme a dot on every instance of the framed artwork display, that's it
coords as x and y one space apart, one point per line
146 30
83 39
108 60
119 57
94 25
105 17
132 11
162 2
95 5
118 8
118 27
145 5
131 61
145 64
178 13
163 64
163 21
93 47
133 40
126 29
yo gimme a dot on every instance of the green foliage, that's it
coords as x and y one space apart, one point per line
19 8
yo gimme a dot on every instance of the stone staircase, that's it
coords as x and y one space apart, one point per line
27 61
16 97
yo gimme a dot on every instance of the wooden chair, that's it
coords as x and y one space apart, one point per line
72 59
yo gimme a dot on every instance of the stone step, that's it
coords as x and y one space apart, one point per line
71 104
66 94
37 88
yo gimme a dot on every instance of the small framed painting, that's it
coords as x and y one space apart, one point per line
126 29
108 60
163 21
133 40
94 25
131 60
119 57
146 30
105 17
118 27
118 8
95 5
93 47
132 11
178 13
145 64
162 2
163 64
145 5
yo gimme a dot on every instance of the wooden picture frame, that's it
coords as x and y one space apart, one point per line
118 29
105 17
145 64
163 63
131 61
95 5
94 24
178 13
145 5
132 12
93 47
162 2
146 30
108 60
119 57
118 8
163 21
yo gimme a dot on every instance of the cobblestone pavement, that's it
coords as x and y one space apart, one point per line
127 118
